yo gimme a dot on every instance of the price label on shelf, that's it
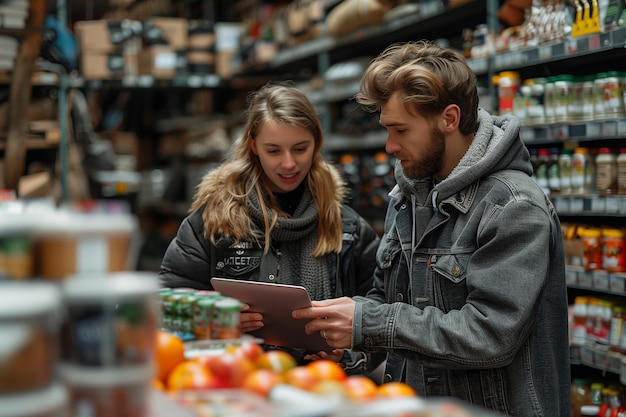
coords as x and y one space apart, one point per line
594 43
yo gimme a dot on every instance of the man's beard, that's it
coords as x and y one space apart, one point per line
431 160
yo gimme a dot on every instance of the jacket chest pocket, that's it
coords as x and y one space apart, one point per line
449 280
390 260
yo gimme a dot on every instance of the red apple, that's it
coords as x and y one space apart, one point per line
230 368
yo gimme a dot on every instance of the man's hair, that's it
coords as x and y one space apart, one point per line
428 77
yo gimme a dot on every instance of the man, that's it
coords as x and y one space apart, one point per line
469 296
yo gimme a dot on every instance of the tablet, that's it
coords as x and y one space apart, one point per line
275 302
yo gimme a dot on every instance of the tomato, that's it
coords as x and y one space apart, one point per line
249 350
395 390
301 377
190 375
230 369
169 352
276 360
330 388
261 381
360 387
325 369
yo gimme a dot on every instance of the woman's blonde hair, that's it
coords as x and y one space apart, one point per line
224 192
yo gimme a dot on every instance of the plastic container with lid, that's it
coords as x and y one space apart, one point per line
565 171
579 323
70 242
621 172
580 396
563 93
612 95
588 98
536 112
107 392
51 401
111 319
508 83
614 250
30 319
580 164
606 172
592 242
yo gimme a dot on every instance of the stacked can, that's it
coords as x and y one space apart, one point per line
199 315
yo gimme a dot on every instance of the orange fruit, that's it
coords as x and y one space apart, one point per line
276 360
325 369
169 352
301 377
190 375
359 387
158 384
261 381
330 388
395 390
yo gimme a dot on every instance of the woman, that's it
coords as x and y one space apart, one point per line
274 211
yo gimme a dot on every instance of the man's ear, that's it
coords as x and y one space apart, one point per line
451 117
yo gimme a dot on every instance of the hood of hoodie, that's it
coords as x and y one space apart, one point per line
496 146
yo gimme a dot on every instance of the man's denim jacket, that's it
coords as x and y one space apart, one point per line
470 298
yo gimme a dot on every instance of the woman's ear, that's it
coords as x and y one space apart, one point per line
253 146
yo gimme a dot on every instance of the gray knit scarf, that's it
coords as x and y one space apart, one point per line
296 237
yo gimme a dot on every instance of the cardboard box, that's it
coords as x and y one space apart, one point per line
99 65
162 62
108 35
227 63
228 36
166 31
199 61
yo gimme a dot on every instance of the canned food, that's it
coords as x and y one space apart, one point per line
202 314
225 320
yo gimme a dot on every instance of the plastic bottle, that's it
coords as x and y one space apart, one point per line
580 396
580 162
621 172
614 250
542 170
617 327
554 172
565 171
606 172
579 323
508 84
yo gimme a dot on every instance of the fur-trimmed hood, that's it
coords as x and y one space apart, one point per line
215 180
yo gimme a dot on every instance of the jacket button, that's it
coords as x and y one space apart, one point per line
456 270
403 207
387 378
368 342
399 296
271 277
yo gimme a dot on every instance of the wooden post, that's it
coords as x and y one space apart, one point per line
19 96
